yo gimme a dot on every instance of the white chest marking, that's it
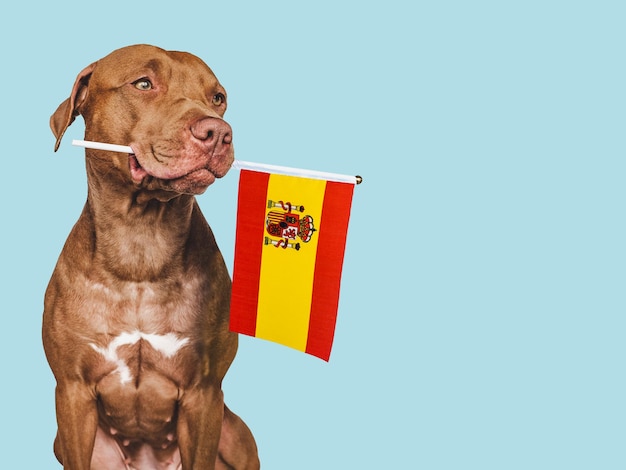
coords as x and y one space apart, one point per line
168 345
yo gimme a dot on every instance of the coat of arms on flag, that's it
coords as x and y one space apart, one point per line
285 225
289 249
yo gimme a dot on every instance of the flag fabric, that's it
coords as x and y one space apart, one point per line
289 250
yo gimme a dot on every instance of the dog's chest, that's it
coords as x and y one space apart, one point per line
140 381
161 308
143 330
145 351
129 354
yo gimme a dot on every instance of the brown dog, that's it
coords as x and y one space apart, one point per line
135 325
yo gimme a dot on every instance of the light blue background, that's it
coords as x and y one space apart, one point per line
481 322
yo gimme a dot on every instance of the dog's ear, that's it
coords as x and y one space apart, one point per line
70 108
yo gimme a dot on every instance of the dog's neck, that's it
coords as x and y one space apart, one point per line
139 235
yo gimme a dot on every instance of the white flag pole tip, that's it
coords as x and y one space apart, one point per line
102 146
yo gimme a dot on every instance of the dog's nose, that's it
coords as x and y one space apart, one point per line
212 132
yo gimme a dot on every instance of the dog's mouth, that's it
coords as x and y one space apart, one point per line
193 182
137 172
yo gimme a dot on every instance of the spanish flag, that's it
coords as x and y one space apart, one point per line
289 250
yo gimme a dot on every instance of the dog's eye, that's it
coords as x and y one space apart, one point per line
218 99
143 84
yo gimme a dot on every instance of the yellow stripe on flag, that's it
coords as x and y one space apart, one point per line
286 277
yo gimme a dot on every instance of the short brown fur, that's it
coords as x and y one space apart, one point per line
140 271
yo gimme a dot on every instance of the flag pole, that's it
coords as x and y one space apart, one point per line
239 165
285 170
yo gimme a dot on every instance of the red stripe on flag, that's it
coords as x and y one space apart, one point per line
248 248
328 265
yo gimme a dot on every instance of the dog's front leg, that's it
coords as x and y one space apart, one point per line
77 417
199 426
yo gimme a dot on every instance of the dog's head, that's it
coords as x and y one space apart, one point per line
167 106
